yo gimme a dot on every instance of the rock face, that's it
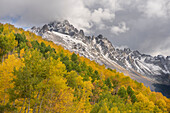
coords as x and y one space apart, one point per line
154 69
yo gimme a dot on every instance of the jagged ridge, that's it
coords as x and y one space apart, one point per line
100 49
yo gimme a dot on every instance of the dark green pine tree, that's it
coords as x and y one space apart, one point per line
130 91
123 93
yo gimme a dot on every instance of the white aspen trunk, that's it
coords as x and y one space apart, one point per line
22 105
35 106
29 105
39 110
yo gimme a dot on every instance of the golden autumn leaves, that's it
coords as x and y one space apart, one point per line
40 76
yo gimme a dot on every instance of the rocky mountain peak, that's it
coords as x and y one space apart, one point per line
66 22
63 27
100 36
81 32
168 58
44 29
102 51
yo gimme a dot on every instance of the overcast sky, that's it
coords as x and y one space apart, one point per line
142 25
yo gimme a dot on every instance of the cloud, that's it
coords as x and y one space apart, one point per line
121 28
112 5
100 15
37 12
140 24
156 8
162 49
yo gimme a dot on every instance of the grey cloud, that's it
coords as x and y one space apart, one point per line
156 8
148 35
38 12
121 28
146 23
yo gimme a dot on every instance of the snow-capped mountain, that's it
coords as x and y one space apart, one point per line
141 67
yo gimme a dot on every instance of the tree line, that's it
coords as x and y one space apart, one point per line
37 76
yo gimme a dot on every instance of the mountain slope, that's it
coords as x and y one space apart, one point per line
141 67
37 75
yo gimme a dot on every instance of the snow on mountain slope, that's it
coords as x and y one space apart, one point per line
141 67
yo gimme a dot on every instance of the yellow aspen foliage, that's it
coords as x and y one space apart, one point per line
29 44
153 97
44 83
88 86
22 52
142 98
157 110
56 67
161 104
61 102
104 109
7 42
6 29
114 110
80 106
144 103
6 75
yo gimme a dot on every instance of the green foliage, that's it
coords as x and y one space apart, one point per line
74 58
157 110
132 95
95 76
21 39
115 83
123 93
108 83
95 109
66 61
109 69
30 75
7 43
1 28
113 70
133 98
72 79
35 44
70 64
46 51
54 80
130 91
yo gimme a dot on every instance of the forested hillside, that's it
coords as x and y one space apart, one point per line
37 76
